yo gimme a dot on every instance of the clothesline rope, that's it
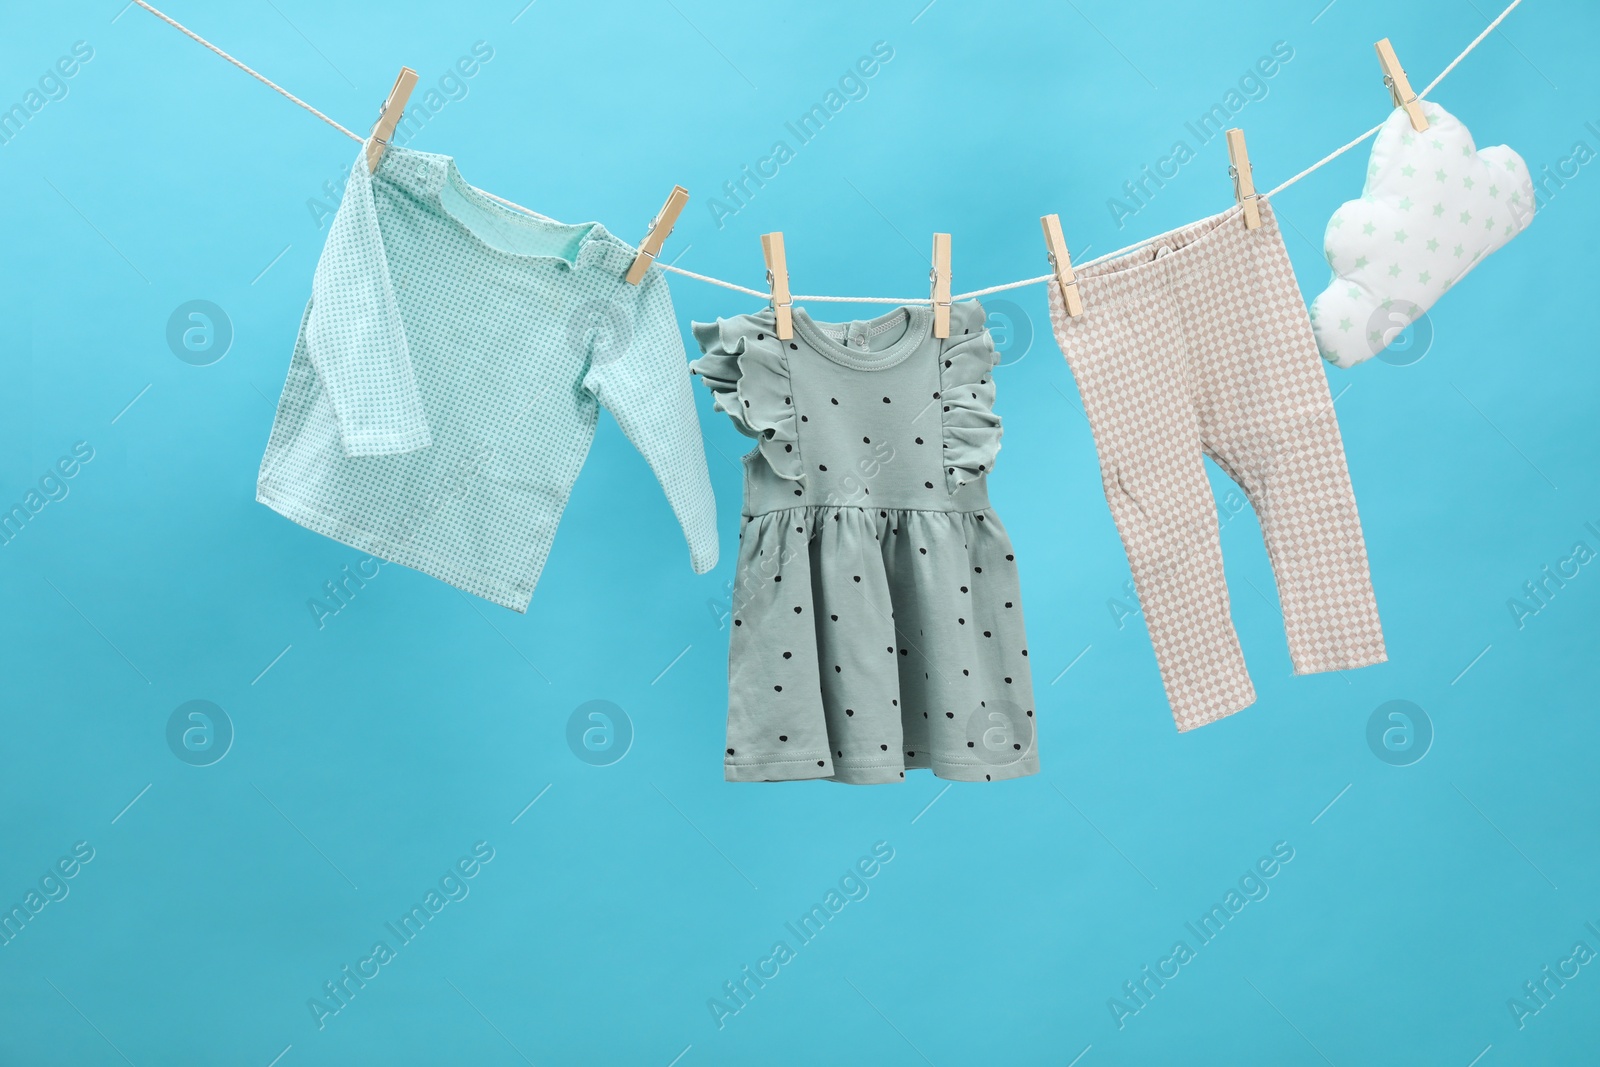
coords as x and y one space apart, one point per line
1336 153
263 79
813 299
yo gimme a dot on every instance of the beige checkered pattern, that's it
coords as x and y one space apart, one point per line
1198 345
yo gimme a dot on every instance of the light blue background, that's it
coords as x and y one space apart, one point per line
370 754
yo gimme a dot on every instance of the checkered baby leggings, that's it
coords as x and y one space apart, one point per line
1199 344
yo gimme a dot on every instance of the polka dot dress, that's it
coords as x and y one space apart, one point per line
877 623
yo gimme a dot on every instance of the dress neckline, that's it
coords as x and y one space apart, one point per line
917 321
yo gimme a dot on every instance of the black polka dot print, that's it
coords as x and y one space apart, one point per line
866 525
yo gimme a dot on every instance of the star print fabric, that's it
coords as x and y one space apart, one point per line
1434 205
1198 345
877 618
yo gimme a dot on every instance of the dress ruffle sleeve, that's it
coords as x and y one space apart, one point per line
747 372
966 377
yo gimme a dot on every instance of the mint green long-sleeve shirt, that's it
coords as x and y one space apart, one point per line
448 375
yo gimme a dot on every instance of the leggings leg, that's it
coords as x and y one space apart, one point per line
1267 418
1133 370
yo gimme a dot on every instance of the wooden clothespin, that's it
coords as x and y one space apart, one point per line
394 105
1394 76
778 279
1244 185
660 227
941 284
1068 283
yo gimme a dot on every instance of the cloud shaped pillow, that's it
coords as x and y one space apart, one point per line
1434 205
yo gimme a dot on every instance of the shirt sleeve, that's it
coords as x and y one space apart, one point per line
354 335
639 371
